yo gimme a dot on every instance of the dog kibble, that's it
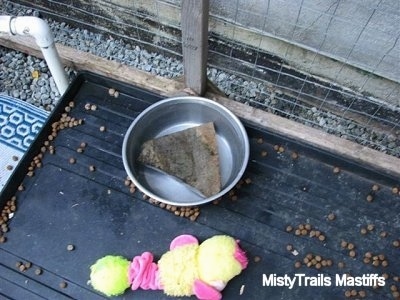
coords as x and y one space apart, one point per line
363 231
92 168
383 234
102 128
289 228
395 190
72 160
396 243
38 271
297 264
70 247
331 217
63 284
370 227
93 107
294 155
336 170
111 92
370 198
116 94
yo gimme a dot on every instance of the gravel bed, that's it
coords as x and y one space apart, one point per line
17 79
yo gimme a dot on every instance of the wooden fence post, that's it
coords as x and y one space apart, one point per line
194 22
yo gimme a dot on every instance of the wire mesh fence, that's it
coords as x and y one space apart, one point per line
331 64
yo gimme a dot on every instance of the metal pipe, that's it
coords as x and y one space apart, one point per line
40 30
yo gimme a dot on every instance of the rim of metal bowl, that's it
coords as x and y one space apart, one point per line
189 98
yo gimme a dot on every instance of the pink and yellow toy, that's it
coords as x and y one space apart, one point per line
188 268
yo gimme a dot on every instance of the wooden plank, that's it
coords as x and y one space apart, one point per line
85 61
170 87
194 22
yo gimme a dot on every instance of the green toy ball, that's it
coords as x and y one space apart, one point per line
109 275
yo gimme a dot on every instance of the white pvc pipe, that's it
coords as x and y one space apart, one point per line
40 30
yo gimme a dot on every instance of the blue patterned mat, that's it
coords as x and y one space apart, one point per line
20 122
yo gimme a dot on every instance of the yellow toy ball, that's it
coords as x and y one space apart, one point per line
109 275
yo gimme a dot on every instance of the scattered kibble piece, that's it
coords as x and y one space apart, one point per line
375 187
116 94
370 198
281 149
363 231
362 294
297 264
70 247
83 145
370 227
343 244
264 153
111 92
93 107
260 140
276 148
28 265
289 228
38 271
87 106
9 167
92 168
331 217
294 155
336 170
102 128
396 243
352 253
72 160
383 234
15 158
289 247
63 284
341 265
257 259
395 190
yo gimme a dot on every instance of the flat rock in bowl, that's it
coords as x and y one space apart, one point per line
190 155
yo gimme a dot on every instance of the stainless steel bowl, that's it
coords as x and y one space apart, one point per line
175 114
